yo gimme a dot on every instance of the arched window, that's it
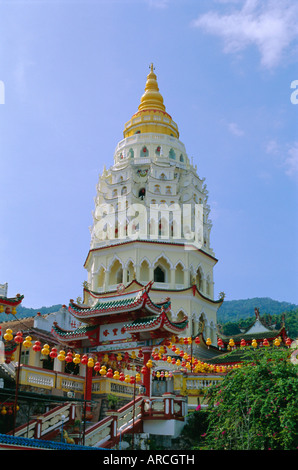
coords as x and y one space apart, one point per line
144 271
123 191
172 154
161 270
131 153
179 274
159 274
142 193
181 158
144 152
157 150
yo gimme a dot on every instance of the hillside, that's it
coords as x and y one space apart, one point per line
235 310
24 312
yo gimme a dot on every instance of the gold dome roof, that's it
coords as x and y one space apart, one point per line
151 115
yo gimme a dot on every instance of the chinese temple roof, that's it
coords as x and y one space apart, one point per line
153 327
125 302
257 330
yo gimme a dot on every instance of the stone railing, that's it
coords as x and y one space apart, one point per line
50 421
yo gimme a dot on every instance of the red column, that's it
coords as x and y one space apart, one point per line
147 351
88 387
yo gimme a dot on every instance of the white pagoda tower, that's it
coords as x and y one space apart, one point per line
151 220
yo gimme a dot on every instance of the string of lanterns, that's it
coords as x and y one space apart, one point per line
185 360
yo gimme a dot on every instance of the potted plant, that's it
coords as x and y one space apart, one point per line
112 401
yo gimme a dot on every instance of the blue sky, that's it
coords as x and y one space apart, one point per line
74 72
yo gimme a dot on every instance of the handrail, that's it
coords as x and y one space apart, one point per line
43 424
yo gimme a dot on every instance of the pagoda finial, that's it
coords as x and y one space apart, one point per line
152 98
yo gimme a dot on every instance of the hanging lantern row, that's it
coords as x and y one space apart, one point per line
4 411
8 310
254 343
162 374
187 362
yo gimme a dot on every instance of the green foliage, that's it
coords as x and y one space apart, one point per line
235 310
255 407
24 312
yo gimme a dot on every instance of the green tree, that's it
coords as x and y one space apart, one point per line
255 407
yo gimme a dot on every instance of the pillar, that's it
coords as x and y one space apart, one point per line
88 387
147 351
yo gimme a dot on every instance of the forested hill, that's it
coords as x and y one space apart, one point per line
230 311
235 310
24 312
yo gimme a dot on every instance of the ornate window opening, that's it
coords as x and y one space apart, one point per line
172 154
144 152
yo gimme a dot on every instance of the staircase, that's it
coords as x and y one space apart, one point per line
156 415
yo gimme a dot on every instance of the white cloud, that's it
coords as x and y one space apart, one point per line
269 25
291 161
285 158
234 129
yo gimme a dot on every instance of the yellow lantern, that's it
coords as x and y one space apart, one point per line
1 309
14 311
3 411
127 379
254 343
90 362
178 362
231 343
61 355
208 342
45 350
149 364
119 357
27 343
138 377
169 359
116 375
77 359
276 342
133 355
8 335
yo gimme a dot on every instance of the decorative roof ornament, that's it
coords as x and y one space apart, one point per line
152 99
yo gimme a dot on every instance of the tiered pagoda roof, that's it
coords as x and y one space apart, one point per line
139 314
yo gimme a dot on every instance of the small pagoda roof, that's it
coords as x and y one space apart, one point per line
257 330
120 302
154 327
11 301
81 333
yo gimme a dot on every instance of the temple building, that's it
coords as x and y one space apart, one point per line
151 220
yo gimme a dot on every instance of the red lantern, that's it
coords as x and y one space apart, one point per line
265 342
84 359
53 353
19 337
288 342
37 346
243 343
121 377
96 366
140 354
197 340
144 370
181 354
68 357
132 379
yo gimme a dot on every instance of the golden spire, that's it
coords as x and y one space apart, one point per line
152 98
151 116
